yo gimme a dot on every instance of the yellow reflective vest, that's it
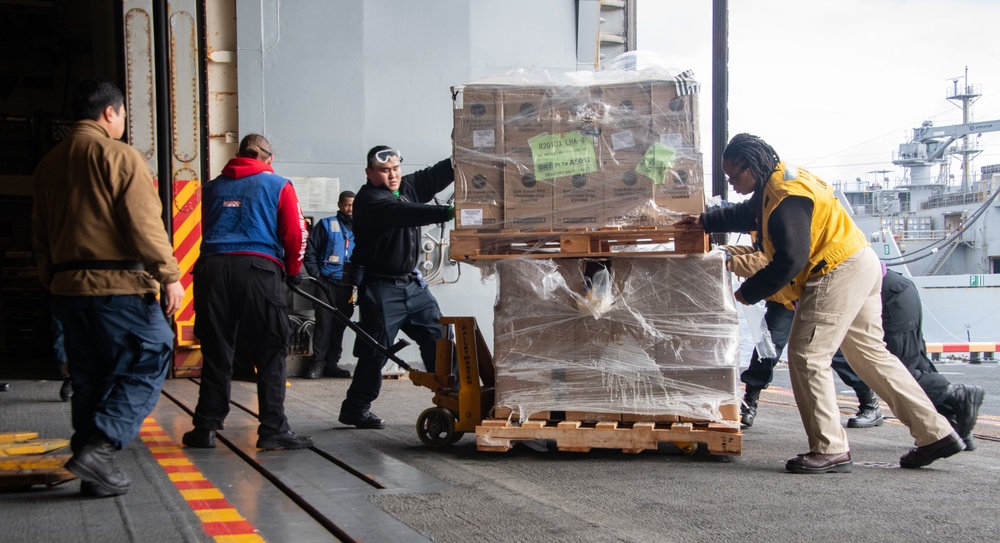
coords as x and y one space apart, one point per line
833 235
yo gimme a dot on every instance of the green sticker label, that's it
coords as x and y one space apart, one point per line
562 155
658 159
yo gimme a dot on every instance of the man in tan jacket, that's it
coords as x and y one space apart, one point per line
103 253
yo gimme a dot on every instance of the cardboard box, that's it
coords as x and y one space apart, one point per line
526 114
630 140
527 200
478 194
478 125
579 201
683 189
625 105
627 195
675 117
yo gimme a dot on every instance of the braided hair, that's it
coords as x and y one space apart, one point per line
754 154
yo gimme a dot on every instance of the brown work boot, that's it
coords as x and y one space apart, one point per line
814 462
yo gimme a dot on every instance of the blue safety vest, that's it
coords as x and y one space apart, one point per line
241 215
339 246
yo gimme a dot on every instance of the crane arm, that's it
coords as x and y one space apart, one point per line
926 133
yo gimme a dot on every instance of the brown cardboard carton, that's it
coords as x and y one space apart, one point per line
478 123
683 189
478 194
624 104
578 201
527 200
675 118
526 114
629 140
627 195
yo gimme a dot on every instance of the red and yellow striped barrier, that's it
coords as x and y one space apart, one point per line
973 347
186 211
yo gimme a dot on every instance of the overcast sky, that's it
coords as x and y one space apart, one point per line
836 85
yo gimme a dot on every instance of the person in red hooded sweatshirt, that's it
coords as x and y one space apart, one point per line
253 237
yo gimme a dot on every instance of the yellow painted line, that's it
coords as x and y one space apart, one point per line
202 494
174 461
247 538
219 515
186 476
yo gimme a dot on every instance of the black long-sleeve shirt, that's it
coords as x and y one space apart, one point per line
789 227
387 227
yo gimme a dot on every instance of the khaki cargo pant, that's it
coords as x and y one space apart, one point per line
844 309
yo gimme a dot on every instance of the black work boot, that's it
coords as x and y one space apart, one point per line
95 464
336 371
748 411
963 402
66 390
869 413
315 370
284 440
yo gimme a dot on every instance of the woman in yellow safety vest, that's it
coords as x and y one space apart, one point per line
821 259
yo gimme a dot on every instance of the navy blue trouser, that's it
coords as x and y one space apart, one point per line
386 307
328 334
779 323
119 349
244 293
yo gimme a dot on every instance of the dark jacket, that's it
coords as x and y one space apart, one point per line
387 227
330 245
901 310
789 225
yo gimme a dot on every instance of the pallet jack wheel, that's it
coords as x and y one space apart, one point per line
687 447
436 427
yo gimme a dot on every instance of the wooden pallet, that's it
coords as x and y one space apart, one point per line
470 245
500 435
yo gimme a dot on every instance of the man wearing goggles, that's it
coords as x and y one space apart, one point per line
389 211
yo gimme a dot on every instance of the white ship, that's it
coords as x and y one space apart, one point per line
941 231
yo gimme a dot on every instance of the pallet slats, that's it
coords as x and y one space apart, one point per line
578 436
470 245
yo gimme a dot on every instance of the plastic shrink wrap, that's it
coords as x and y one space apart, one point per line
644 335
577 150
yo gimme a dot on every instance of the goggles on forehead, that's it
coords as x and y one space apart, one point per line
384 155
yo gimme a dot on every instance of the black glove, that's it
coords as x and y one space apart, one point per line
293 280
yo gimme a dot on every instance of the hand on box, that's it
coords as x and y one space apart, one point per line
740 298
689 222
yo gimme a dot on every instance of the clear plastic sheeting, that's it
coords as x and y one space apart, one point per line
644 335
540 150
754 316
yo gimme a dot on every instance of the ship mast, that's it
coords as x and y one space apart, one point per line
965 96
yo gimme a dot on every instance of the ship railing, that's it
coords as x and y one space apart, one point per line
921 235
955 199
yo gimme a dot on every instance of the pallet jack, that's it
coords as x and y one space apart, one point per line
463 381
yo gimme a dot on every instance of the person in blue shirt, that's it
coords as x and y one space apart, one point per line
330 245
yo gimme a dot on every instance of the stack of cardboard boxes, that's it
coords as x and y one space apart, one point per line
585 153
655 336
643 336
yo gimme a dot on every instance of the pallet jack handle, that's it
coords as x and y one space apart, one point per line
389 352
